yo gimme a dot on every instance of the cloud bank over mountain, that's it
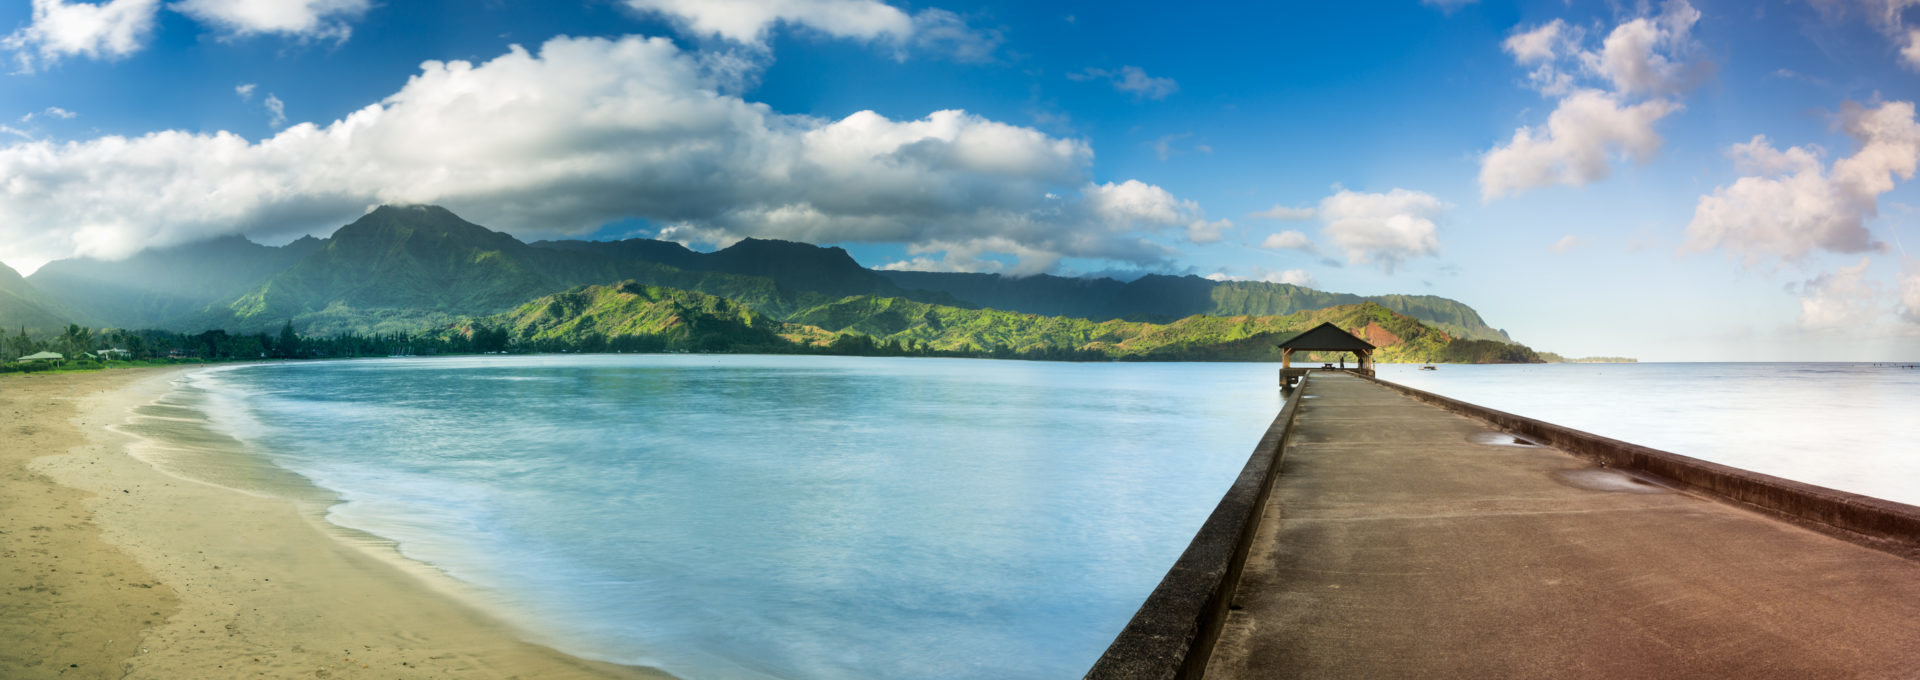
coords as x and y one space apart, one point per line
589 130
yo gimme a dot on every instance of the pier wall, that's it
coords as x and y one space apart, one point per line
1886 525
1173 633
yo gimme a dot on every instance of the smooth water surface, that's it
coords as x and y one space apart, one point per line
1852 427
781 517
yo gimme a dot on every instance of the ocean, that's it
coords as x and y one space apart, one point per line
1847 426
721 516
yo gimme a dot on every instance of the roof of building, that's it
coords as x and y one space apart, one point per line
1327 337
42 355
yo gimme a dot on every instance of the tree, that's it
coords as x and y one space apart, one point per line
76 340
288 346
23 343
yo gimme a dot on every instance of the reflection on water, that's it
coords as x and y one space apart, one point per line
1843 426
789 517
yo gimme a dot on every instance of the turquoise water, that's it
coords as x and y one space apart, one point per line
775 517
1847 426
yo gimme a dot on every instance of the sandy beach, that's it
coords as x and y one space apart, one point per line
111 567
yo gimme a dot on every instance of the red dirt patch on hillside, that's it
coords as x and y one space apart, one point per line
1379 337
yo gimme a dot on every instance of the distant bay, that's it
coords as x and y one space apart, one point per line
1846 426
722 516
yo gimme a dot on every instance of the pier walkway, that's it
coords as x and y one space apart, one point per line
1405 541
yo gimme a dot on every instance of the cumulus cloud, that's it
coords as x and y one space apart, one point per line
1841 300
1577 146
1383 229
109 30
245 90
587 131
1609 99
1285 213
1567 244
749 22
1135 205
306 19
1542 44
1791 205
1448 5
1288 240
1640 56
1131 79
1297 277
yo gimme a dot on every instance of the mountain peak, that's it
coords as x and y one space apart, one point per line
407 222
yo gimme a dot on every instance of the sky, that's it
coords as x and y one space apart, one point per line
1677 181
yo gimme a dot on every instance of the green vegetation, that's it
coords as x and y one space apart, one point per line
421 280
636 317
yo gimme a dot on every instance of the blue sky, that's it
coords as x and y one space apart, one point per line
1587 175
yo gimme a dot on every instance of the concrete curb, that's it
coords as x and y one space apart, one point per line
1875 523
1173 633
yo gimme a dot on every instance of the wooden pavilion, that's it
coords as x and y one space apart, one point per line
1325 337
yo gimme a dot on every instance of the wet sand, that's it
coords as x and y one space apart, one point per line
110 567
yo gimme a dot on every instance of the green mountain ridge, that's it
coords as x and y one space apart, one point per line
22 306
423 269
156 288
632 316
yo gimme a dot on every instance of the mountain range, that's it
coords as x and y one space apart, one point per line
419 268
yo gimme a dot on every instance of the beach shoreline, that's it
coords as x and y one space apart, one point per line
116 568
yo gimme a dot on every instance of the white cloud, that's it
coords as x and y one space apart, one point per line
1288 240
109 30
1297 277
1844 299
1542 44
1634 78
1131 79
1448 5
307 19
1567 244
1582 137
1281 212
1383 229
1639 56
1137 205
277 109
1792 206
245 90
749 21
584 132
1911 52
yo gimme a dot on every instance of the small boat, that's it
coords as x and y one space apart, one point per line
1428 367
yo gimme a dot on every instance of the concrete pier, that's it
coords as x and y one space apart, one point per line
1403 540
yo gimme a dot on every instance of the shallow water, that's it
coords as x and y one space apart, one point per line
774 517
1852 427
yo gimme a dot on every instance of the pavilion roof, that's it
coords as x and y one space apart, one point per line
1327 337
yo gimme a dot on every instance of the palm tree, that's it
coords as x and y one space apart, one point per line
76 340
